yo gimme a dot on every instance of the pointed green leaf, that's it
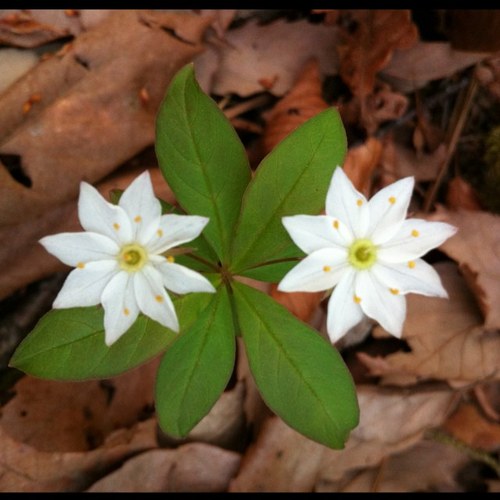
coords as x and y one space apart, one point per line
292 179
301 377
196 368
202 158
68 344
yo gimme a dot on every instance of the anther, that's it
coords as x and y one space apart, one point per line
415 233
336 224
159 233
116 226
392 200
327 269
80 265
394 291
411 264
159 298
126 312
359 202
171 258
137 218
356 299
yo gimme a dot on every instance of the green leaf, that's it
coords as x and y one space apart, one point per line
202 158
68 344
301 377
196 368
292 179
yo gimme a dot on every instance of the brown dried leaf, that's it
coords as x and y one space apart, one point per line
391 421
412 68
476 247
26 261
446 338
474 29
426 467
77 416
468 425
301 304
81 114
367 46
360 163
398 162
255 55
302 102
461 194
25 469
195 467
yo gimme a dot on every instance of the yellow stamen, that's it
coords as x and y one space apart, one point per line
80 265
356 299
394 291
415 233
392 200
137 218
116 226
171 258
159 233
336 224
327 269
126 312
359 202
411 264
159 298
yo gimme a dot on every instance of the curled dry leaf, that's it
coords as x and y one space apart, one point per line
409 471
367 45
26 469
398 162
301 304
25 260
195 467
391 421
476 247
255 58
461 194
81 114
446 337
360 163
468 425
13 64
304 101
53 416
413 67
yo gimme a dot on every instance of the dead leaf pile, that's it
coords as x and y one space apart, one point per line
79 92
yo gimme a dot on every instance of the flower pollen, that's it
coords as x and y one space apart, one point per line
356 299
80 265
132 257
415 233
336 224
362 254
327 269
392 200
158 298
411 264
394 291
126 311
359 202
116 226
137 218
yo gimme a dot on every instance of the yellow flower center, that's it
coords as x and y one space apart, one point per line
362 254
132 257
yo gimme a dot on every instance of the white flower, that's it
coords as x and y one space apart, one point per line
118 259
368 252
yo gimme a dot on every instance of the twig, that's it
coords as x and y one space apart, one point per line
243 107
474 453
457 124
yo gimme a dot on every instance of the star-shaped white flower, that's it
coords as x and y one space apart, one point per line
368 252
119 259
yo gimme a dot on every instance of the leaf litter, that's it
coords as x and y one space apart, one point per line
67 117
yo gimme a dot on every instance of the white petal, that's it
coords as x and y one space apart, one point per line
379 303
152 298
142 208
99 216
76 248
345 203
388 209
314 232
343 311
120 307
175 230
83 287
183 280
419 278
414 239
320 270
